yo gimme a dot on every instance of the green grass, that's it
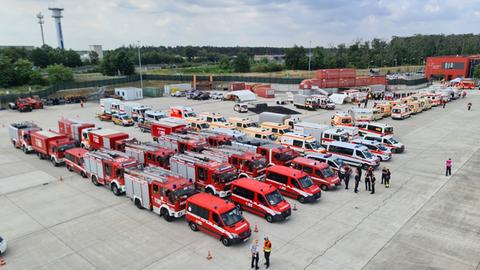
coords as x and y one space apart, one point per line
23 89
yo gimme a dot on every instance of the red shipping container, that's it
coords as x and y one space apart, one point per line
336 73
237 86
265 92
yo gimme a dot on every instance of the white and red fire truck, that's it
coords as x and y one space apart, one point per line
274 153
75 160
20 135
159 190
106 167
148 153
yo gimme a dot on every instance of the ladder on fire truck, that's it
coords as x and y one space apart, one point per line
108 154
194 157
151 173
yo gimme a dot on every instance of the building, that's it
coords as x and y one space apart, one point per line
451 67
129 93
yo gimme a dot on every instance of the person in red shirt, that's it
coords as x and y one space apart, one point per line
448 166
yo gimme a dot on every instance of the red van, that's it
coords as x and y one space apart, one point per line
217 217
261 199
320 172
293 183
74 161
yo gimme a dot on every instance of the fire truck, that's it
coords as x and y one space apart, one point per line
159 190
182 112
210 176
148 153
20 135
248 164
106 167
51 145
161 128
73 129
181 143
74 160
213 138
97 138
274 153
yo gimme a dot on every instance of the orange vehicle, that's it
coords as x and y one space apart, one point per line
384 107
342 119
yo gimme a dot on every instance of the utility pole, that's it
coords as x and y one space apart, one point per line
140 65
309 56
41 22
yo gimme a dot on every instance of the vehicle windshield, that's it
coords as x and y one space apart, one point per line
396 110
339 162
190 114
389 130
257 164
314 145
382 147
274 198
346 120
204 126
367 154
184 192
221 119
64 148
284 156
232 217
272 137
158 117
283 131
327 172
125 117
393 140
344 138
224 177
305 181
252 124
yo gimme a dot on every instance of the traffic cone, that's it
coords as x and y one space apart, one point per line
209 256
2 262
256 228
294 207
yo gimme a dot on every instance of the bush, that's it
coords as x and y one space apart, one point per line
58 73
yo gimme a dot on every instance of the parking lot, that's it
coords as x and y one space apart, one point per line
54 219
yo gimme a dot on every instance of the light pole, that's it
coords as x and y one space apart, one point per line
140 65
309 56
41 22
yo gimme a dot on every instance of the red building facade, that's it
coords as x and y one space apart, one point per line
451 67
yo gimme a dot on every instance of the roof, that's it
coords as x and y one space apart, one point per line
297 135
350 145
274 124
209 201
254 185
242 95
312 125
129 89
283 170
311 162
105 132
78 152
48 133
211 114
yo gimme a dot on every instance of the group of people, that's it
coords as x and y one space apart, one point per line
255 250
370 180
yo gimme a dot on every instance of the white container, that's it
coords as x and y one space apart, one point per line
129 93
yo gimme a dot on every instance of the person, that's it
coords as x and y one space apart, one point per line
464 94
357 181
341 174
384 175
348 173
81 103
373 184
444 102
469 105
387 179
358 104
368 178
370 171
255 250
267 249
448 165
359 172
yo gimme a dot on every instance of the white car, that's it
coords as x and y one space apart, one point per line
3 245
216 95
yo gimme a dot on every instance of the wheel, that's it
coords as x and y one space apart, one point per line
166 215
54 162
364 166
225 241
301 199
269 218
70 169
324 187
138 204
116 190
83 174
193 226
39 155
210 191
14 144
94 180
24 149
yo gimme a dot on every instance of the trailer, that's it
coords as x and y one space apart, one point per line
20 135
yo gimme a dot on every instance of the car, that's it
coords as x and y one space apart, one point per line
122 119
201 96
179 93
191 94
104 117
240 107
3 245
216 95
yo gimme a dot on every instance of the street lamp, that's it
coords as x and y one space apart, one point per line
309 55
41 22
140 65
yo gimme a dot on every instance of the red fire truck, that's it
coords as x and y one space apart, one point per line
20 135
159 190
148 153
181 143
213 138
218 218
210 176
51 145
320 172
98 138
248 164
106 167
74 160
161 128
73 129
274 153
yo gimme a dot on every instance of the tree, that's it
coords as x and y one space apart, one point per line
124 64
40 57
70 58
241 63
224 63
190 53
58 73
476 72
117 62
7 72
23 71
296 58
93 55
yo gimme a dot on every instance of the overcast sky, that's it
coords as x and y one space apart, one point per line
280 23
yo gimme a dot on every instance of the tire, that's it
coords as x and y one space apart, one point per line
193 226
324 187
269 218
24 149
138 204
116 190
364 166
94 181
54 162
14 144
166 215
210 191
39 155
225 241
84 175
301 199
69 168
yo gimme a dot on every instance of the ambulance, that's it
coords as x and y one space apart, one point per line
260 133
376 148
342 119
384 107
277 128
301 143
197 124
241 123
400 112
375 128
388 140
216 120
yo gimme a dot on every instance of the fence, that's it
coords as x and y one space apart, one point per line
407 82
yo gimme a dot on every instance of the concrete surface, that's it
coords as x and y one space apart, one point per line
424 221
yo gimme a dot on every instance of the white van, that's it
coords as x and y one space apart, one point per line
375 128
301 143
353 154
389 141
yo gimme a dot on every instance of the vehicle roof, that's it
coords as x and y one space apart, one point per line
105 132
211 202
283 170
240 119
257 129
349 145
168 123
48 133
211 114
78 152
311 162
274 124
254 185
312 125
366 141
342 114
378 124
181 107
297 135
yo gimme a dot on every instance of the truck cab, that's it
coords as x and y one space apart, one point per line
218 218
74 161
148 153
342 119
320 172
20 135
51 145
182 112
261 199
293 183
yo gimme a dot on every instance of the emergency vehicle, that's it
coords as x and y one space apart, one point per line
51 145
73 129
376 148
435 98
414 107
384 107
161 128
181 143
353 154
97 138
182 112
342 119
242 123
293 183
197 123
361 115
260 199
301 143
319 172
260 133
276 128
148 153
158 190
153 116
106 167
218 218
248 164
274 153
210 176
74 160
389 141
375 128
216 120
322 133
213 138
134 110
335 163
122 119
20 135
110 105
425 103
401 111
352 132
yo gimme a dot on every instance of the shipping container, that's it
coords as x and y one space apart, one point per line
237 86
265 92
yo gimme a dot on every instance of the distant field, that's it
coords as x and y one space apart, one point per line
20 89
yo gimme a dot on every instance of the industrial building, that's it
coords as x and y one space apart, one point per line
451 67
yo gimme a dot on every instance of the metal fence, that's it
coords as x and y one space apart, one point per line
407 82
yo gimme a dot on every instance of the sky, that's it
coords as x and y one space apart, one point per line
275 23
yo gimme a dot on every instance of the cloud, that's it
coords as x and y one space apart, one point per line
114 23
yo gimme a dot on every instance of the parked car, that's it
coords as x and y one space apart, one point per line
240 107
180 93
216 95
191 94
203 96
3 245
122 119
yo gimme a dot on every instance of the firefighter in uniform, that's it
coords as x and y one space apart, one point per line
267 249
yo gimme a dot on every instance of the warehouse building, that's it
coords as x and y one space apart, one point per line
451 67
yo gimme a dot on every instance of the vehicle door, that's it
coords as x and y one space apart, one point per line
216 225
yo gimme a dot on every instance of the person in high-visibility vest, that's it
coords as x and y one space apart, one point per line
267 249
